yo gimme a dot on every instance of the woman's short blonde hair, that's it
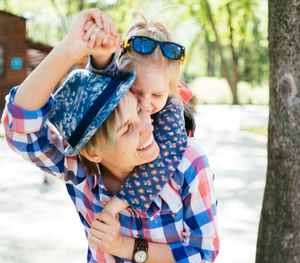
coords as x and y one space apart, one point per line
129 59
105 135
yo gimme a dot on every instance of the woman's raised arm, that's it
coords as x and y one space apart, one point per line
37 87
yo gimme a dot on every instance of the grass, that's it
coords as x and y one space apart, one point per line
258 130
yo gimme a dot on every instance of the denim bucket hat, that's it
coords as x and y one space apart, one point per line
82 104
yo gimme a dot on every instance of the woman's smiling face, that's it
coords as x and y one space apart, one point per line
134 141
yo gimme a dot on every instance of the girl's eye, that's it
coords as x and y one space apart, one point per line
157 95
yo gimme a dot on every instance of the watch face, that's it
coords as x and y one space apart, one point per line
140 256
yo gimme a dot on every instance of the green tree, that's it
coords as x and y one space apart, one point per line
233 33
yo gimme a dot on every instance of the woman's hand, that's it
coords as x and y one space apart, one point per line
74 39
43 80
105 234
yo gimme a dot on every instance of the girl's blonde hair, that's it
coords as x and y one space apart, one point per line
129 59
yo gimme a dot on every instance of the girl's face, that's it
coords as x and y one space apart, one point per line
134 142
151 87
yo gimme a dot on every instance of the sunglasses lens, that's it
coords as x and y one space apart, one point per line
172 50
143 45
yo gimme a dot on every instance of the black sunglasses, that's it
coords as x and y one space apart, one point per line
146 45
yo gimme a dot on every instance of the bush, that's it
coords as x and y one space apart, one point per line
212 90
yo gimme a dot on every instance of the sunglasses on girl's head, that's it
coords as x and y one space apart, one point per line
146 45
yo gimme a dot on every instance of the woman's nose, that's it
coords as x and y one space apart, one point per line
145 123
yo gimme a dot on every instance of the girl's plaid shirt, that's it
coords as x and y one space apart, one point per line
183 212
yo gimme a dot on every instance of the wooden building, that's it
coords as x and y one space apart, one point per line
18 55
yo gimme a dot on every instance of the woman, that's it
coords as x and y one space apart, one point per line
182 225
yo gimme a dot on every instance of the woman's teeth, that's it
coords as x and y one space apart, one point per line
147 143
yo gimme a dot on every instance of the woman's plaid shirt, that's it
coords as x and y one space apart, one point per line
183 212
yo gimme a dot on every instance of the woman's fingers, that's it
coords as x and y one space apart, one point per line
88 25
101 226
105 231
97 241
94 14
107 23
106 218
89 32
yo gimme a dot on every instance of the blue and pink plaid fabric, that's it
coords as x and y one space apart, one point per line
183 212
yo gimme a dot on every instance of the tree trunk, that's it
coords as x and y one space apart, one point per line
234 57
279 229
225 72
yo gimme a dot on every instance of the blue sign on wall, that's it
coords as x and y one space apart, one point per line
16 63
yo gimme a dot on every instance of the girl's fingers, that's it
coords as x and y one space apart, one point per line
99 39
113 28
117 41
94 38
109 43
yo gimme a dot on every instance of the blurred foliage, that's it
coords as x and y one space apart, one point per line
213 90
49 20
258 130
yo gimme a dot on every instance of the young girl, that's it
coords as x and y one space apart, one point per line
148 50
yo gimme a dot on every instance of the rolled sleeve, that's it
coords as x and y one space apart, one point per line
28 133
23 121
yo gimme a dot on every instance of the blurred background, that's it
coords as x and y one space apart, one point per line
226 68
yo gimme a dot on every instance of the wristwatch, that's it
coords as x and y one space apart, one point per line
140 251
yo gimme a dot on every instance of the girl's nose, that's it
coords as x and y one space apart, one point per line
145 103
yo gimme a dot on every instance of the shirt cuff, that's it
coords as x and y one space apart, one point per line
24 121
111 70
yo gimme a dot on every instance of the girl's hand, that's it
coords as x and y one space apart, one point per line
105 234
114 206
102 40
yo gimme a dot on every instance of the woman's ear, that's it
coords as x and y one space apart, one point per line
92 156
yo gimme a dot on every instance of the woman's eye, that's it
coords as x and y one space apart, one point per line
135 92
127 129
157 95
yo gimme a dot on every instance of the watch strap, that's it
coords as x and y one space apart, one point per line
139 244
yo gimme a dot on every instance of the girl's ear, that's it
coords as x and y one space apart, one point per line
92 156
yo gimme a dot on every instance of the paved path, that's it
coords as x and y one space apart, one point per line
239 161
38 223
